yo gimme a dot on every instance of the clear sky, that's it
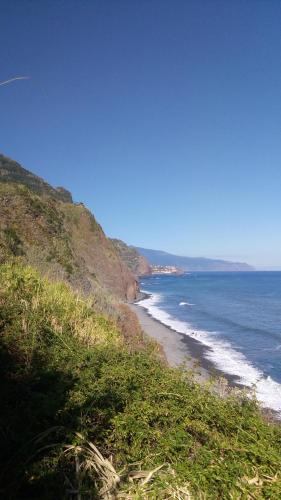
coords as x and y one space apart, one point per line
163 117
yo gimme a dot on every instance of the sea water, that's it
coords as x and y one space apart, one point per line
235 316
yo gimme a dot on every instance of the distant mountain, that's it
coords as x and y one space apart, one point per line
160 258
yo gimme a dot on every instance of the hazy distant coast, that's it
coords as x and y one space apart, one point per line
160 258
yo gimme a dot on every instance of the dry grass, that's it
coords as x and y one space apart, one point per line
54 306
92 467
89 461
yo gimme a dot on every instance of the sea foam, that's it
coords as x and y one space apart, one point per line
223 355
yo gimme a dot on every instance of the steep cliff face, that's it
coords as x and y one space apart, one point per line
137 263
95 252
43 227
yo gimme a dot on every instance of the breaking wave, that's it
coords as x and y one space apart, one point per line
222 354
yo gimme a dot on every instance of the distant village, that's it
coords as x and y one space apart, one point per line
166 270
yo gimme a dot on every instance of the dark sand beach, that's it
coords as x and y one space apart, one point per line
179 348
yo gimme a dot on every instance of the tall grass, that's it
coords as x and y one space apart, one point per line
41 305
84 417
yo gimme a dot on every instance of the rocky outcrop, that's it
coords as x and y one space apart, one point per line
64 194
96 254
137 263
143 269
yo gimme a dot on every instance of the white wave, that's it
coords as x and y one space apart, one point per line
223 355
185 304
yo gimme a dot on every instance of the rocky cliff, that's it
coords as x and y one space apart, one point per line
43 227
137 263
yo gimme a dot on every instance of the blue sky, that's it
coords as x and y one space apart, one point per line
163 117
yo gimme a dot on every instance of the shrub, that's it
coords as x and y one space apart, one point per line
66 370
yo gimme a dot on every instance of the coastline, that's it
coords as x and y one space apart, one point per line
183 350
178 348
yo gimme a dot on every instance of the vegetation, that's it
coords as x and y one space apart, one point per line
135 262
129 254
62 240
11 171
82 417
13 241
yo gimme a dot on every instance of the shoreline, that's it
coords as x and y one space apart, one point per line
180 349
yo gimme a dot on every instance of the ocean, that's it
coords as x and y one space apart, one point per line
236 317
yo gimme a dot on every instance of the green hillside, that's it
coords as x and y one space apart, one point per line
11 171
70 383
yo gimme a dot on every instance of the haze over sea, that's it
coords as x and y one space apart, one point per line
235 316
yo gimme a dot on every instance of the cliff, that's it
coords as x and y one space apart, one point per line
136 262
42 226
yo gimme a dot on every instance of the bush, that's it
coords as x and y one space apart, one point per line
65 369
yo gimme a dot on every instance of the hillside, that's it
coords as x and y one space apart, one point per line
46 229
160 258
88 408
137 263
86 416
11 171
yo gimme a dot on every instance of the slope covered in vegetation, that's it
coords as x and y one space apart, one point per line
135 262
11 171
59 238
69 382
